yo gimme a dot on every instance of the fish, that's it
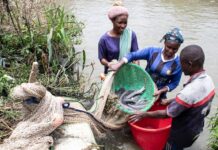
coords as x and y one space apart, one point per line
132 96
139 105
120 92
136 93
132 99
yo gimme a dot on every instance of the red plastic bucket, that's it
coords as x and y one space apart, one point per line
151 133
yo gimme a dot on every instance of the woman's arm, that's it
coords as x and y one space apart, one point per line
134 44
167 101
102 52
175 80
159 92
138 55
104 62
171 86
116 66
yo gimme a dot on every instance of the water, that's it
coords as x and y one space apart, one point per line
198 19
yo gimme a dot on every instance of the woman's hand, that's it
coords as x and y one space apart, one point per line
166 101
137 62
157 93
115 65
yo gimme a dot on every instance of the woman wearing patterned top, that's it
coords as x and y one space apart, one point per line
163 64
191 105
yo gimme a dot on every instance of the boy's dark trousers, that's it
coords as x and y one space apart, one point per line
170 145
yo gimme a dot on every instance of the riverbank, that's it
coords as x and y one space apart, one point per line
150 20
38 31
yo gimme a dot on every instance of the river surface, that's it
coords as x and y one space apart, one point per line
198 20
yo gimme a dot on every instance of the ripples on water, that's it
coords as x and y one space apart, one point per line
198 19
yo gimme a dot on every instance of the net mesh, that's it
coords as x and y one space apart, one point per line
41 119
133 77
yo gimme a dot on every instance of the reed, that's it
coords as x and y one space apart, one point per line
213 124
44 32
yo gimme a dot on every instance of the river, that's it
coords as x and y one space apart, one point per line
198 20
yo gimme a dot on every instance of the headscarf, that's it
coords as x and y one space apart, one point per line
117 10
175 35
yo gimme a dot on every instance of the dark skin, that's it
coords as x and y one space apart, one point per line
119 24
192 59
170 49
189 67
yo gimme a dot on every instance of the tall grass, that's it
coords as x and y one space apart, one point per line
213 124
53 34
43 32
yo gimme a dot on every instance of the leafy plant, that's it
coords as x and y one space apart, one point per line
53 34
6 83
213 124
63 29
32 31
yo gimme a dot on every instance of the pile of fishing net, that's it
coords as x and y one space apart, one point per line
43 112
40 118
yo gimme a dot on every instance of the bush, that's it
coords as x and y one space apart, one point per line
43 32
213 124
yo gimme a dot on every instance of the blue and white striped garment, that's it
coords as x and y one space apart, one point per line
163 72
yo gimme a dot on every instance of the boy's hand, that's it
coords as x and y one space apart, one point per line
136 117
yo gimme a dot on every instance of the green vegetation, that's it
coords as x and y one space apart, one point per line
46 39
213 124
43 32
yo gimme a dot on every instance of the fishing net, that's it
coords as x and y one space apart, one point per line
43 113
46 113
133 77
40 119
